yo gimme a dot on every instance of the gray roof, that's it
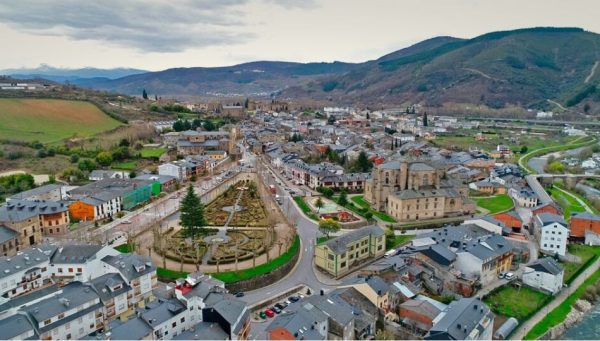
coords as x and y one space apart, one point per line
549 218
459 320
25 299
130 265
375 282
19 210
296 322
6 234
133 329
106 286
423 307
36 191
333 306
338 244
69 254
162 179
547 264
30 258
420 167
73 295
203 331
585 215
489 248
159 311
235 312
14 326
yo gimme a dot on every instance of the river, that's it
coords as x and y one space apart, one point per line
587 329
538 163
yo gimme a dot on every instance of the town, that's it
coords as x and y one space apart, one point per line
330 223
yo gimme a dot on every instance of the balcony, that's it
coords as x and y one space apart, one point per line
98 314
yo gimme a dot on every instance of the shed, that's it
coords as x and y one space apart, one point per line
506 328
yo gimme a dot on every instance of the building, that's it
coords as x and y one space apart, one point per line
464 319
81 262
418 314
27 271
371 287
510 219
192 142
484 259
165 183
50 192
137 271
100 174
552 233
544 274
489 187
415 189
524 197
24 218
581 222
343 254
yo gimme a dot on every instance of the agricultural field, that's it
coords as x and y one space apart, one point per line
51 120
152 152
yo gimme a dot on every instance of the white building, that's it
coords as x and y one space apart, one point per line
552 231
544 274
26 271
79 262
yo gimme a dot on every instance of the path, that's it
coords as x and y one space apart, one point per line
581 202
222 233
592 72
482 74
556 103
524 328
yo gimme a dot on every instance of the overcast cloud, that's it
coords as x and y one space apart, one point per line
159 34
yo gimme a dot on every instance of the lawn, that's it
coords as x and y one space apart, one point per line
519 303
152 153
360 201
323 239
305 208
125 248
566 202
124 165
51 120
498 203
167 274
587 254
559 314
400 240
233 276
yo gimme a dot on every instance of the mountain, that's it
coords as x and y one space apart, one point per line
71 75
256 78
523 67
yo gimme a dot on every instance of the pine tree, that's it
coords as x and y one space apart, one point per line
425 121
192 213
144 94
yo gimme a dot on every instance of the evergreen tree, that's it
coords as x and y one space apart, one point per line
343 199
368 116
362 164
425 121
144 94
192 213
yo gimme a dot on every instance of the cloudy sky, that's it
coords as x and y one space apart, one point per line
160 34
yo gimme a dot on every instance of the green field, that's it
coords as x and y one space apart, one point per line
498 203
50 120
152 153
400 240
519 303
305 208
124 165
360 201
566 202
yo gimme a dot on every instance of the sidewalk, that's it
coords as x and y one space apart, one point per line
524 328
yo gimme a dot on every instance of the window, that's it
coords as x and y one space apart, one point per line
182 320
47 322
79 270
343 265
69 336
330 257
174 324
70 269
379 247
61 315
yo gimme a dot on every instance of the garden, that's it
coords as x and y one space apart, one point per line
495 204
249 212
520 303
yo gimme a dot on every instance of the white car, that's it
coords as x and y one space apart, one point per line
509 276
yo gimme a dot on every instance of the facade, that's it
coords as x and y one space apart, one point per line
552 233
341 255
414 190
486 259
524 197
510 219
581 222
544 274
464 319
24 218
27 271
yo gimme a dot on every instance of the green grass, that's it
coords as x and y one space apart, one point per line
498 203
130 165
323 239
170 274
125 248
568 203
51 120
233 276
587 254
554 146
305 208
152 153
559 314
399 240
361 202
520 303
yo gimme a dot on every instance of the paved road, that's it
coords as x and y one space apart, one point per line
524 328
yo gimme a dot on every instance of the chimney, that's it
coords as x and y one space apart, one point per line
322 292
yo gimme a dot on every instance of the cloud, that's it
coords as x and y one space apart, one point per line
148 26
304 4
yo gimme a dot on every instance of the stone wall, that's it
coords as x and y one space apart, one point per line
265 279
578 311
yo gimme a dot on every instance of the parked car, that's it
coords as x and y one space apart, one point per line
294 298
276 309
269 313
501 275
239 294
262 315
509 276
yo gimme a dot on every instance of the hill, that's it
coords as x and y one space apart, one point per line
49 120
75 76
521 67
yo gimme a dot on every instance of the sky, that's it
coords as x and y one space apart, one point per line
160 34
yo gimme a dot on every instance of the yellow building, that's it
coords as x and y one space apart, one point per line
343 254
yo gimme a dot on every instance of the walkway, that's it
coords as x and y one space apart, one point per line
581 202
524 328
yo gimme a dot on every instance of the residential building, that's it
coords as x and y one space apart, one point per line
342 254
489 187
137 271
371 287
101 174
484 259
581 222
524 197
22 217
27 271
80 262
414 189
49 192
418 314
544 274
510 219
552 233
464 319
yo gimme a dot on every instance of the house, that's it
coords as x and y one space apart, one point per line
484 259
545 208
544 274
49 192
52 216
27 271
342 254
166 183
581 222
137 271
489 187
418 314
490 224
371 287
81 262
113 292
552 233
25 219
100 174
464 319
524 197
8 241
510 219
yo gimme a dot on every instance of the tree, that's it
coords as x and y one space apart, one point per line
343 199
362 163
369 216
326 191
74 158
104 158
586 108
144 94
124 142
192 213
178 125
132 174
425 121
327 226
368 116
209 125
246 102
319 204
86 165
524 149
331 120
